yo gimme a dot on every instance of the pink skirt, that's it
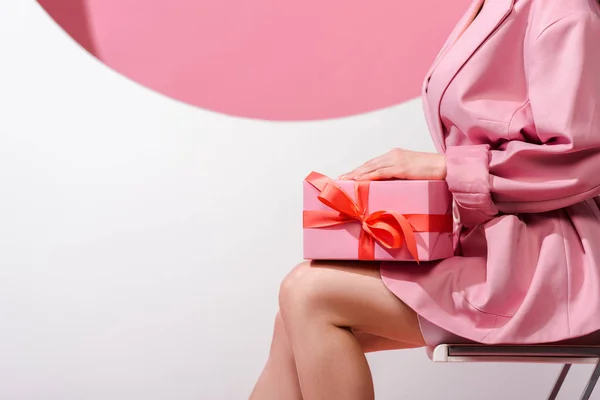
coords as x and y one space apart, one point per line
435 335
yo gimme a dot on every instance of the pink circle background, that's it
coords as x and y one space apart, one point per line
267 59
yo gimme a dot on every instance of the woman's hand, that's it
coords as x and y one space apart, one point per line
401 164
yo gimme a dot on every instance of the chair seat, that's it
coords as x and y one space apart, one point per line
560 354
516 353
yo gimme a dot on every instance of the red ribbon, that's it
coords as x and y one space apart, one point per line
388 228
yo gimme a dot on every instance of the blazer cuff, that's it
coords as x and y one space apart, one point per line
468 177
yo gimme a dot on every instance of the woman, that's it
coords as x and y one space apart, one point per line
513 106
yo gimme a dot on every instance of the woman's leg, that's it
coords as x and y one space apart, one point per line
332 314
279 378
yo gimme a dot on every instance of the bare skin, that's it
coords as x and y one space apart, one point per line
332 313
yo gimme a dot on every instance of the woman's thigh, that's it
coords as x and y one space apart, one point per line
352 295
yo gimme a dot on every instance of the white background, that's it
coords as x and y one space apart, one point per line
142 241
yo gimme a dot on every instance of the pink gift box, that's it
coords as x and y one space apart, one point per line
425 199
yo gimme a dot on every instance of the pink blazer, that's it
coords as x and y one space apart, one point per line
513 103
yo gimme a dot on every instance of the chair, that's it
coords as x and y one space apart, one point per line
560 354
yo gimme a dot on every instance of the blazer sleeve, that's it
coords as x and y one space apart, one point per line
562 168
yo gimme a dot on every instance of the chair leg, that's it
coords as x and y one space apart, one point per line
559 381
592 382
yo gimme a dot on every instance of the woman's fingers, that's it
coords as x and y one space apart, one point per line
368 167
401 164
377 175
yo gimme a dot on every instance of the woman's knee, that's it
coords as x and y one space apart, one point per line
299 289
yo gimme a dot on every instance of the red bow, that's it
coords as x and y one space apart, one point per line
388 228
